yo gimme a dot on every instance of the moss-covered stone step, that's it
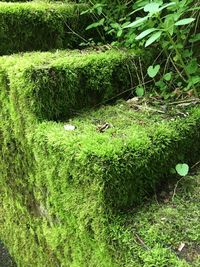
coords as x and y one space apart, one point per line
124 151
41 26
61 188
55 85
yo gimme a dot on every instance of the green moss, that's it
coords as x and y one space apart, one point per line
152 234
128 159
41 26
54 85
60 190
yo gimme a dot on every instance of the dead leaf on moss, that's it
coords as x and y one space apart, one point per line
181 246
103 128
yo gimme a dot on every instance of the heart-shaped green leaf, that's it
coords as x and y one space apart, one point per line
139 91
182 169
153 71
167 76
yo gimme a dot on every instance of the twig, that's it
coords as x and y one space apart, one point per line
180 74
193 100
196 164
121 93
141 242
147 108
175 188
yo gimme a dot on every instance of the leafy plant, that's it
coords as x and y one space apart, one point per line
169 29
168 25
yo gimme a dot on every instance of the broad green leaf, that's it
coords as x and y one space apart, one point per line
96 24
145 33
167 5
153 71
169 24
184 21
182 169
139 91
192 66
192 81
136 22
151 7
119 33
194 8
167 76
153 38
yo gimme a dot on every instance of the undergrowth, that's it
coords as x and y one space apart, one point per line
168 30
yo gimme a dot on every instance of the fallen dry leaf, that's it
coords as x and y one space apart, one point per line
104 127
180 248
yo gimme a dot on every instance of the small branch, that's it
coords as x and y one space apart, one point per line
186 101
175 188
180 74
142 242
196 164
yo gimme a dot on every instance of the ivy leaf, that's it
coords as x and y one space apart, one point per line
145 33
153 38
184 21
182 169
153 71
139 91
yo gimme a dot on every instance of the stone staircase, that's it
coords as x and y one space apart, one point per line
69 164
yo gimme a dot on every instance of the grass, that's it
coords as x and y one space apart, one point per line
165 230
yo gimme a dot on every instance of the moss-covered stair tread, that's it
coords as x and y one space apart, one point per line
42 26
54 85
135 152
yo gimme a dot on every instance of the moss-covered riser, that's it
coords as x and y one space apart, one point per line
42 26
54 86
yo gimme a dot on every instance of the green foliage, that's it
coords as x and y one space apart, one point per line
169 29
